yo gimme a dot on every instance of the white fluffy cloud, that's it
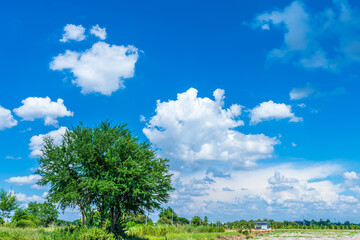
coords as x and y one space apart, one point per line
193 128
34 198
73 32
100 69
306 35
6 119
99 32
37 107
31 179
300 93
283 187
351 175
36 142
270 110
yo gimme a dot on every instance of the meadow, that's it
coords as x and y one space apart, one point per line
305 234
168 232
137 232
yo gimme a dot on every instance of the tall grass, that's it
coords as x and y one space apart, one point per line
58 233
142 230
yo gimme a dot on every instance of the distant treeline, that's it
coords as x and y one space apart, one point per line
169 217
304 224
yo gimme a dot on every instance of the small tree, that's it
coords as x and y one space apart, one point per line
8 203
182 220
169 214
45 212
20 214
164 220
206 221
196 221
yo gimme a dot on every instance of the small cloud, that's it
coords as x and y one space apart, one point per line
98 31
31 179
301 105
36 142
351 175
6 119
34 198
142 118
38 187
25 130
226 189
300 93
38 107
270 110
293 144
73 32
12 157
265 27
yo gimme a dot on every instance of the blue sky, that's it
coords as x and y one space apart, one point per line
254 103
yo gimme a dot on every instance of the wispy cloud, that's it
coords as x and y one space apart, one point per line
305 35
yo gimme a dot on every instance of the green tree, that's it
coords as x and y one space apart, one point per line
20 214
169 214
206 221
8 203
45 212
164 220
182 220
104 168
196 221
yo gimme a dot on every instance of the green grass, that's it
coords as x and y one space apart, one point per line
139 232
57 233
186 236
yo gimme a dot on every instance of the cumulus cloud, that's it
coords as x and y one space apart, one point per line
73 32
36 142
192 128
300 93
34 198
37 107
285 187
31 179
100 69
270 110
98 31
306 35
351 175
6 119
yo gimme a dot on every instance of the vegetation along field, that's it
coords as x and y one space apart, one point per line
310 234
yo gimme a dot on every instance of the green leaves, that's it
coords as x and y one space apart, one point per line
45 212
8 203
104 168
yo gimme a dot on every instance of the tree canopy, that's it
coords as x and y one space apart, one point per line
8 203
104 169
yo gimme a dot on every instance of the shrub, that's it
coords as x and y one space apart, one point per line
96 234
25 223
245 232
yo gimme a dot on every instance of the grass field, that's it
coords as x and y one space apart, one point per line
53 234
310 234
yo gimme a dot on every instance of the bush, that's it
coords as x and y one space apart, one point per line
24 223
208 229
245 232
96 234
